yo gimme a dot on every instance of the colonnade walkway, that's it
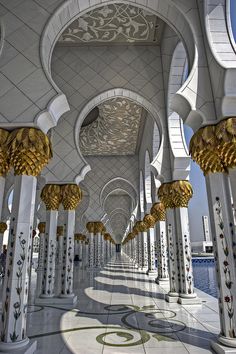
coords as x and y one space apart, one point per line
122 310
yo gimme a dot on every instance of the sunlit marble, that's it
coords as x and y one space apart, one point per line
120 310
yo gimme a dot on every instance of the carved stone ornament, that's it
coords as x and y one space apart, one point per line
135 229
90 227
142 226
107 236
3 227
30 150
60 230
98 227
149 220
158 211
175 194
41 227
71 196
79 237
120 23
115 131
214 147
51 196
4 152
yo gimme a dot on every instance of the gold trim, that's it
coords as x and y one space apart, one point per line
3 227
71 196
51 196
30 150
158 211
60 231
90 227
42 227
4 152
98 227
149 220
175 194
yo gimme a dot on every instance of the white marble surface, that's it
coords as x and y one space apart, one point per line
100 310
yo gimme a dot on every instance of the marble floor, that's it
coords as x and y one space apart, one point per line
121 310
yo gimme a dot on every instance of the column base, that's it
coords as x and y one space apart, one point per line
222 349
151 272
172 297
22 347
143 269
189 301
93 269
67 300
162 281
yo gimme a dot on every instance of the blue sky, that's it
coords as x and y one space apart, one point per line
198 205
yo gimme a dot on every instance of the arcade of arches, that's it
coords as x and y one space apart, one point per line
95 175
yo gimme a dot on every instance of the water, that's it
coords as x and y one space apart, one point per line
204 275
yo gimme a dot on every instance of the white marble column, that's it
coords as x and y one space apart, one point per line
224 244
3 228
27 160
144 265
136 251
174 271
90 228
162 269
68 257
187 293
71 196
2 189
15 288
98 229
50 254
151 253
41 227
97 250
175 196
59 258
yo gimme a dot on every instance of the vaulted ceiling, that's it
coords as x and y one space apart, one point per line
114 23
115 131
111 46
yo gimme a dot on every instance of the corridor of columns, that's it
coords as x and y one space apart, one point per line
117 176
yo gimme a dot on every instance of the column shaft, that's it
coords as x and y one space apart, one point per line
40 264
68 257
172 256
151 251
15 288
185 258
163 274
50 254
224 243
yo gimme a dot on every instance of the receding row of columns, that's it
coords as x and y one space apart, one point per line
214 149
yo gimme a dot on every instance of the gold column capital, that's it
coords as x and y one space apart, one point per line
79 237
42 227
214 147
141 226
3 227
98 227
149 220
90 227
158 211
106 236
30 150
60 230
135 229
175 194
71 196
226 137
4 152
51 196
